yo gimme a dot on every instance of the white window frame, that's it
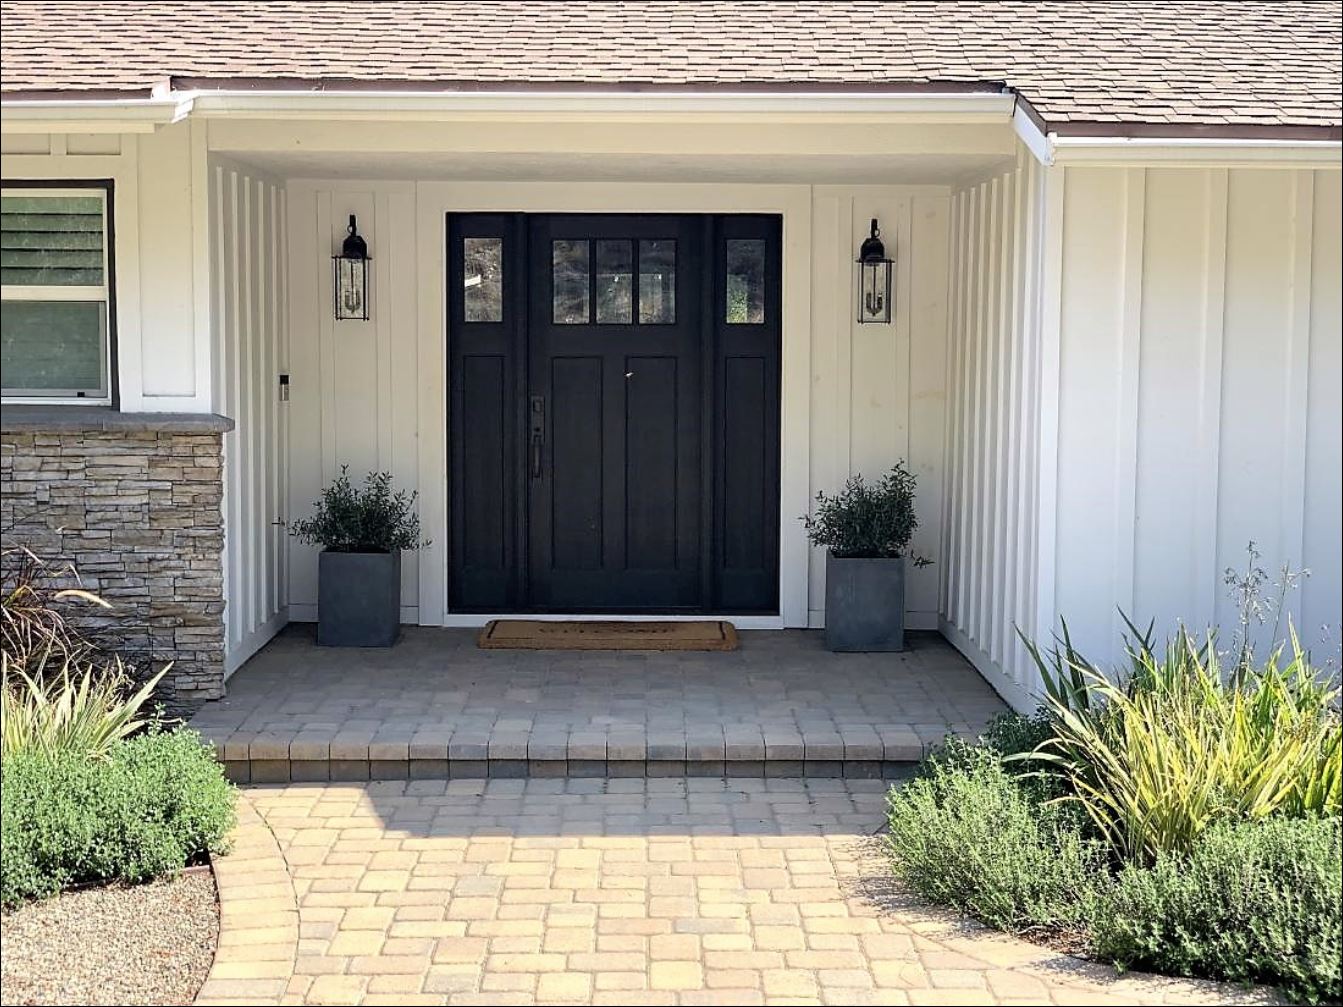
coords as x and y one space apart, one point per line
102 292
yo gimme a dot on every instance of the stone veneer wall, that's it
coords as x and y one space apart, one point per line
134 502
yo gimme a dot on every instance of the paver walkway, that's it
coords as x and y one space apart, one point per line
628 891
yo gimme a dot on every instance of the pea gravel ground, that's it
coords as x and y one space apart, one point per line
146 944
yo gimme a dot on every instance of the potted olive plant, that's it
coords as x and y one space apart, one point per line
865 530
363 532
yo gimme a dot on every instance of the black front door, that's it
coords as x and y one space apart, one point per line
614 423
613 412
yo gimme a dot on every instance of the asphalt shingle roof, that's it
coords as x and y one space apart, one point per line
1237 68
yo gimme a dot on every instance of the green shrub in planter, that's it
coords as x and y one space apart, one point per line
149 807
1253 901
968 834
363 533
865 530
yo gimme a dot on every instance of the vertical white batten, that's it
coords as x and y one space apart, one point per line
1208 439
248 313
1130 376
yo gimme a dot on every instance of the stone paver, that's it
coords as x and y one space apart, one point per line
435 706
258 918
636 891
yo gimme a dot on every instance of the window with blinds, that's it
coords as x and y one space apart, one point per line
54 293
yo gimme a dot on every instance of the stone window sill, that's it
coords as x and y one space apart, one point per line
96 419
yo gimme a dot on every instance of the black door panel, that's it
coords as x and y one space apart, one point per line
614 426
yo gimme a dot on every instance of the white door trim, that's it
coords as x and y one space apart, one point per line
435 200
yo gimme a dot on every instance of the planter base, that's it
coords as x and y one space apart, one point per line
864 604
359 599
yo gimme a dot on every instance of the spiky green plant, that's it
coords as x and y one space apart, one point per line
1179 743
82 709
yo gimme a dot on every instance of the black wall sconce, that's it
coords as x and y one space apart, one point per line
351 276
874 279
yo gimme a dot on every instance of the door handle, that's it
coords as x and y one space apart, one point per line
536 412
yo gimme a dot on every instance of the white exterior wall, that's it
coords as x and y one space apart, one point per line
248 268
1108 379
856 397
160 256
1144 377
878 391
990 562
1198 395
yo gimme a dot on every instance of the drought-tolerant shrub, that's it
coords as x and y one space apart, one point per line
152 805
348 518
966 833
1177 742
1253 901
870 521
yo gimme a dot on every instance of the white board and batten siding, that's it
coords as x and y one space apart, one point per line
160 225
1145 376
249 267
856 397
353 397
1199 392
878 391
989 564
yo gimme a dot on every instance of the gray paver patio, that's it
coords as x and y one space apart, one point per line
622 891
436 706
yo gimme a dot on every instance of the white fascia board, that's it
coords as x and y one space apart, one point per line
950 107
127 115
1030 134
1050 148
1194 152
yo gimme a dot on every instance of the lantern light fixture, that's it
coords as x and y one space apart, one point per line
874 279
351 276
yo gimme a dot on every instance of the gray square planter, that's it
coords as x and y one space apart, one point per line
864 604
358 599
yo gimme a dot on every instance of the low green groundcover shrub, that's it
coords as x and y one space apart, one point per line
969 836
1251 902
149 807
1254 900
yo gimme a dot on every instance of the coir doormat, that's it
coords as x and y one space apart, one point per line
526 634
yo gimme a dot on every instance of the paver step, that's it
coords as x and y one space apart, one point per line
292 770
739 751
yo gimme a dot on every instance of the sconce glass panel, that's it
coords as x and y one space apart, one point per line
351 289
874 291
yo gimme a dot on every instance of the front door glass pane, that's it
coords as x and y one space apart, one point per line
615 283
483 279
745 281
569 261
657 282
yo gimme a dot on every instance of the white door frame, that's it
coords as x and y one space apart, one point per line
435 200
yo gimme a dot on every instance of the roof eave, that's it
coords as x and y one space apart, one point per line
140 114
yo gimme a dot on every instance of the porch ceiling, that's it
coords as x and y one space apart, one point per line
818 169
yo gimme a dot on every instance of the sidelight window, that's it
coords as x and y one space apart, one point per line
483 279
745 281
55 283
